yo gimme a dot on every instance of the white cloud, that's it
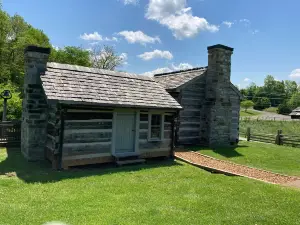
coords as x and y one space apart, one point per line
178 18
156 54
254 32
295 74
246 22
91 37
111 39
171 68
228 23
247 79
130 2
138 37
96 37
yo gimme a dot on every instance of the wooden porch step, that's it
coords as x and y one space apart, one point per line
129 161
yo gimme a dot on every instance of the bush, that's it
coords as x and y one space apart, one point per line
262 103
247 104
284 109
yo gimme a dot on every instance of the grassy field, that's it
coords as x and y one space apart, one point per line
249 113
271 127
280 159
164 192
271 109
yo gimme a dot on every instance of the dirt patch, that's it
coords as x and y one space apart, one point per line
234 169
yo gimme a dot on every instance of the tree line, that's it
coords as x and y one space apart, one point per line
16 34
282 94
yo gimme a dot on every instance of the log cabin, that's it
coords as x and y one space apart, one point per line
211 103
75 115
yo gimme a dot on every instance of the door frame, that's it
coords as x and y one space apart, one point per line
136 125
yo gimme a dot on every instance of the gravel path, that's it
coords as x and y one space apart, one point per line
269 116
236 169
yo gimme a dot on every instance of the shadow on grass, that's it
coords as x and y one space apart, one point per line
30 172
228 152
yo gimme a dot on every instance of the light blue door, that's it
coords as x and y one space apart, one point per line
125 132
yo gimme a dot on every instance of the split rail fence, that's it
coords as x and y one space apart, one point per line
280 138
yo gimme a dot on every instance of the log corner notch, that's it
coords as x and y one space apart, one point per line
55 156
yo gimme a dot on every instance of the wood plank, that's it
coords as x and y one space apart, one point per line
85 148
87 161
88 116
190 113
154 145
88 124
153 154
188 133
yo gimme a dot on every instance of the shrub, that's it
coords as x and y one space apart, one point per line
284 109
262 103
247 104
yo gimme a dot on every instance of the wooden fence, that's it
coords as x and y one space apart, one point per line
280 138
10 132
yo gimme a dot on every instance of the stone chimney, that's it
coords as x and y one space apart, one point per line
34 115
217 96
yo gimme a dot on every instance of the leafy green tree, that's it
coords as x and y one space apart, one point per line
247 104
71 55
294 102
290 88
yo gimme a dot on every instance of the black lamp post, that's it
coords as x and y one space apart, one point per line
6 94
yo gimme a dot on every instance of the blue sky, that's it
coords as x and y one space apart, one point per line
165 35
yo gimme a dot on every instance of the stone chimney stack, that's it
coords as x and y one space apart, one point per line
34 115
217 96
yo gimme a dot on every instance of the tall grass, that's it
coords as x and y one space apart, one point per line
271 127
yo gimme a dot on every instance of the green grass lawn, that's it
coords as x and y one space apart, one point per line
163 192
280 159
271 127
249 113
271 109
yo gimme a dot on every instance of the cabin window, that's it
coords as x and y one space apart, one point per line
155 126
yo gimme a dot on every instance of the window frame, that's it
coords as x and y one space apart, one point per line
162 121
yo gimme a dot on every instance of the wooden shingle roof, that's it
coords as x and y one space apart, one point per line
82 85
176 79
295 112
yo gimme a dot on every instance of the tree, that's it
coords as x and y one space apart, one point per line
284 108
247 104
71 55
106 58
294 102
290 88
262 103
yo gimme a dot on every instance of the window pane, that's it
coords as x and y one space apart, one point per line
155 125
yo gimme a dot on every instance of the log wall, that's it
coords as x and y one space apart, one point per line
191 99
87 136
53 133
235 104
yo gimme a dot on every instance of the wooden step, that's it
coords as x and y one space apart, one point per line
130 161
